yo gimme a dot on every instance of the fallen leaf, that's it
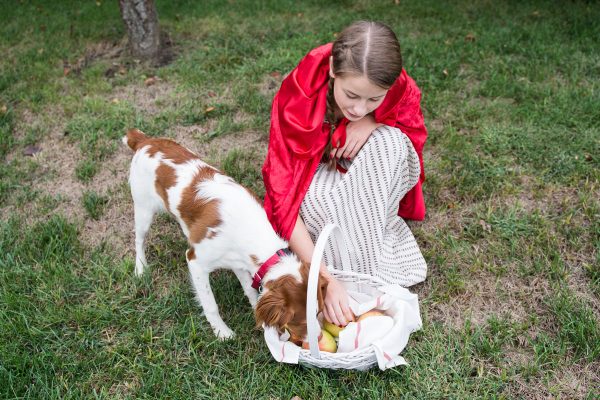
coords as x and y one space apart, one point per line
3 109
31 150
470 37
445 72
66 71
150 81
299 15
122 70
396 2
209 109
115 101
588 157
296 398
275 74
211 94
43 28
536 13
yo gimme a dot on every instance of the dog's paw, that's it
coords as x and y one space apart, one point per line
139 268
224 333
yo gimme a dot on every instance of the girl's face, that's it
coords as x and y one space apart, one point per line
356 96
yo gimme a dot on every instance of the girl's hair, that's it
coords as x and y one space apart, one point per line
364 48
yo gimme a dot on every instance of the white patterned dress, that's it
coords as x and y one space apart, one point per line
364 203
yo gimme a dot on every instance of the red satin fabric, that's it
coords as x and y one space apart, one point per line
298 137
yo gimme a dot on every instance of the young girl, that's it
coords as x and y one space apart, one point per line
345 147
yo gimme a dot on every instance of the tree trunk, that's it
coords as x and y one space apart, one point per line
143 31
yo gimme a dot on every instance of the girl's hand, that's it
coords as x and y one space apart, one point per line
336 309
357 134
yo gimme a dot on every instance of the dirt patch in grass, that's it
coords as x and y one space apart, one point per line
578 282
145 98
59 159
56 178
97 51
576 381
214 150
567 381
60 155
271 83
487 295
434 125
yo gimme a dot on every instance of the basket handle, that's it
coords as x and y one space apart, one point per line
312 325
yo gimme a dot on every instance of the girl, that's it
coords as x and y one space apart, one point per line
345 147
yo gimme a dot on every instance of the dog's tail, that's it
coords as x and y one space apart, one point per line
134 139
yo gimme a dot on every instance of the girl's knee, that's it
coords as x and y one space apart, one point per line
391 140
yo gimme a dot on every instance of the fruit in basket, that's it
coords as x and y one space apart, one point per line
332 328
372 313
326 342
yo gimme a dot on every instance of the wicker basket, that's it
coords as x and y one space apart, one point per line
360 359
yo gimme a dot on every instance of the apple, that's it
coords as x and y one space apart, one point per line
372 313
326 342
332 328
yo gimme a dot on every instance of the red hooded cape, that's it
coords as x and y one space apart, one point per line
299 135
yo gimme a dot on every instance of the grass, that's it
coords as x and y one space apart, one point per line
577 325
241 166
512 236
94 204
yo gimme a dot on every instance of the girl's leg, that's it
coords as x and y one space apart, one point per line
364 203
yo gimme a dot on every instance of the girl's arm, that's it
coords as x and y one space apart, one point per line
357 134
336 308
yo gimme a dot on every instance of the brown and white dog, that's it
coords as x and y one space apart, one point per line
226 227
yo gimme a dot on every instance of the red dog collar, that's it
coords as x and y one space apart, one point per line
264 268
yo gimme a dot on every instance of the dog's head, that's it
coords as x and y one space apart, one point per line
282 303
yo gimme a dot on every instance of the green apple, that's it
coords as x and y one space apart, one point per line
332 328
326 342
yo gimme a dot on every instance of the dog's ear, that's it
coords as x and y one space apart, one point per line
271 309
321 292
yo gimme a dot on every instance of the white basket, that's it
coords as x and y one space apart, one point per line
360 359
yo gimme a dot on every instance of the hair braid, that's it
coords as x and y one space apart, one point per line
329 118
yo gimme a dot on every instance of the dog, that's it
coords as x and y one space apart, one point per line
226 227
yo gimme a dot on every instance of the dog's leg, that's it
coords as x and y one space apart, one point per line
246 282
206 299
143 219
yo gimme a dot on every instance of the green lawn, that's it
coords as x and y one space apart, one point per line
511 97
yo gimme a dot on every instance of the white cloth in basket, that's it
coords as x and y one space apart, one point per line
403 307
398 302
360 334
